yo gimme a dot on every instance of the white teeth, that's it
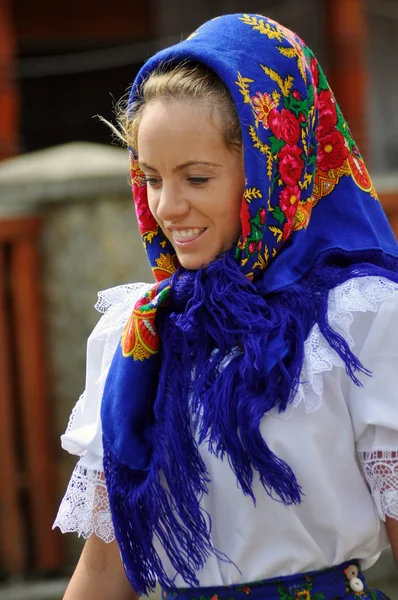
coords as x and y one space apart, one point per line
185 234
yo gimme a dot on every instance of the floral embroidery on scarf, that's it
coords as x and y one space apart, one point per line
146 222
305 140
140 339
166 265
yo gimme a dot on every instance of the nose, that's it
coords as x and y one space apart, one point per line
172 203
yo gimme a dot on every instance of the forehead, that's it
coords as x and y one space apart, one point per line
178 126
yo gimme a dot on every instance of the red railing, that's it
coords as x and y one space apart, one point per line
27 474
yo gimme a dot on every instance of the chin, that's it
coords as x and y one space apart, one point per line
193 263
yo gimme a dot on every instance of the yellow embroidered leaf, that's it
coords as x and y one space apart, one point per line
304 135
270 160
244 261
243 84
276 97
266 253
277 233
264 149
148 237
251 193
257 143
289 52
163 243
274 252
285 85
260 262
265 28
306 182
165 262
301 65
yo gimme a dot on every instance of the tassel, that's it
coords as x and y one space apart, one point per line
229 356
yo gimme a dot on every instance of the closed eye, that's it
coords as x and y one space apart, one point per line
152 181
199 180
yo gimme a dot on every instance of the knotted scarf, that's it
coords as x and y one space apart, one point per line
207 353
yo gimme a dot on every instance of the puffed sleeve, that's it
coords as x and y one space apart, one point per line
374 407
85 508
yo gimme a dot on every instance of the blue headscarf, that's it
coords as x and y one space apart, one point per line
310 221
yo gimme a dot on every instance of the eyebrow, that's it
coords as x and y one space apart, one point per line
189 163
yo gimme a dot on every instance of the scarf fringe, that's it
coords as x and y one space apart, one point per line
144 509
219 395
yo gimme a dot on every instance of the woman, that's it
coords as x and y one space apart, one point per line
250 406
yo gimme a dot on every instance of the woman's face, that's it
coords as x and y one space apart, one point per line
194 181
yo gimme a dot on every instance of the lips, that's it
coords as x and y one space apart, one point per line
183 236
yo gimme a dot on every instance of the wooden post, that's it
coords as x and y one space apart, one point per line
13 549
9 106
33 396
346 43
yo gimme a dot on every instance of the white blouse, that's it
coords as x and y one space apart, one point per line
340 440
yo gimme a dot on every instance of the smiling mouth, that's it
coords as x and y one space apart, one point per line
184 236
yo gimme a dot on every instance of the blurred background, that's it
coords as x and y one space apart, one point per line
67 227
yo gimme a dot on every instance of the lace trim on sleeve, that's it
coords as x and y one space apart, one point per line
361 294
117 296
117 303
381 472
85 507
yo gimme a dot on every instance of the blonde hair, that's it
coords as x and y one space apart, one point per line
186 82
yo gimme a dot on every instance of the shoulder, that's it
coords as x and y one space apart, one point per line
360 307
364 311
115 304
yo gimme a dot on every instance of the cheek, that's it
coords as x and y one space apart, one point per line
152 203
231 224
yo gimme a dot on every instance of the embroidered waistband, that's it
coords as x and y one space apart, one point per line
343 581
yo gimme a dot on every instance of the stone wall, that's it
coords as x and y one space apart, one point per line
87 245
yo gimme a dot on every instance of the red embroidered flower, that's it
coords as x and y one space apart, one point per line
296 95
263 104
289 198
285 126
286 230
146 221
291 164
252 247
332 151
245 218
290 127
327 113
263 214
315 72
274 122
